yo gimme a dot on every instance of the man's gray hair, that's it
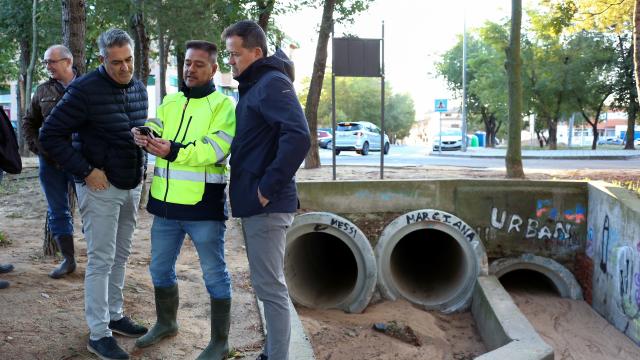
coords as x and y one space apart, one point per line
62 50
111 38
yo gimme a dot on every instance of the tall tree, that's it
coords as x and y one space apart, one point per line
636 42
74 28
346 9
265 8
618 18
312 160
513 65
141 69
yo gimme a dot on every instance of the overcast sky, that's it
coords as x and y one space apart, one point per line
416 34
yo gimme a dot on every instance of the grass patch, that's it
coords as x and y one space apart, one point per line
4 239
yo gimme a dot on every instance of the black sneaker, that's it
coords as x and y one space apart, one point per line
5 268
127 327
262 357
4 284
107 349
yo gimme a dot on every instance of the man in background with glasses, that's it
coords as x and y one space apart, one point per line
54 180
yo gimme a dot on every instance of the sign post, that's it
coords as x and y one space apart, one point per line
440 106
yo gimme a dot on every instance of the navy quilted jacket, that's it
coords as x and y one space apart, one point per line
101 112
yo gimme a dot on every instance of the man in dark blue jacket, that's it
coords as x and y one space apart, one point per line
272 140
101 108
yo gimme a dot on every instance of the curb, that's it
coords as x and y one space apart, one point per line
299 346
504 329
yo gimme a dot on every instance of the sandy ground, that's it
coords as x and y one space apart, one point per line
41 318
572 327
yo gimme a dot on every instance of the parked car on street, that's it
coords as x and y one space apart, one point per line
361 137
451 140
324 138
636 142
610 140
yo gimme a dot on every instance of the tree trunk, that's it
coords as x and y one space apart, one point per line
23 98
265 7
141 59
74 28
552 125
513 159
632 112
179 62
636 44
312 160
163 48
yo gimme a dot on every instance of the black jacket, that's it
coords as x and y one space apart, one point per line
102 113
272 139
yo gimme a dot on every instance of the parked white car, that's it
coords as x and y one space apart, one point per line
361 137
451 140
636 142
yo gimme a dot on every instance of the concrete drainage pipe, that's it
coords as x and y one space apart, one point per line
329 263
430 258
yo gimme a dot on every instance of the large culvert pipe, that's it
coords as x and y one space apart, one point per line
329 263
430 258
562 279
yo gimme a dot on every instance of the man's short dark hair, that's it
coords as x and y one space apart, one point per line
207 46
113 37
251 34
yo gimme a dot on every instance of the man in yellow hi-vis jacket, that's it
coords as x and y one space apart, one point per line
191 139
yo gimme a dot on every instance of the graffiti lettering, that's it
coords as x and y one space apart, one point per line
494 218
515 223
532 228
344 226
605 245
467 231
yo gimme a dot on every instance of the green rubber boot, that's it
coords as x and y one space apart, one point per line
167 300
218 347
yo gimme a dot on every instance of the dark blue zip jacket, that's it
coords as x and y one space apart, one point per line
101 112
272 139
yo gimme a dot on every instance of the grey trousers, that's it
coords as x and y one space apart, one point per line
108 219
264 237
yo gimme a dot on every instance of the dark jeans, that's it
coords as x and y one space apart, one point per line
55 184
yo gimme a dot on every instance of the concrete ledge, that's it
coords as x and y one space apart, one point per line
504 329
299 346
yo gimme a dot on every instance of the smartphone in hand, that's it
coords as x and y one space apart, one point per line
145 130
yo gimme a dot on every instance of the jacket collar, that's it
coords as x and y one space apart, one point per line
198 92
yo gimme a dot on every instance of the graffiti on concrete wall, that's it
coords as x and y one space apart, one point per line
619 266
547 224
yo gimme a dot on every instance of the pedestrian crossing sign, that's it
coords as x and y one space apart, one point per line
441 105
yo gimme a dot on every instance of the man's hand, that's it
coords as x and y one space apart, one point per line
140 140
263 200
158 147
97 180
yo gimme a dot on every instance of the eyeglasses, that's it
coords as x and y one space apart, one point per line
52 62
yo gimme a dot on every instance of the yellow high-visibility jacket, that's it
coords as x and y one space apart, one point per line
188 184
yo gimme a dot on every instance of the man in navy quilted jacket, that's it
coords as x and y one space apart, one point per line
101 108
272 140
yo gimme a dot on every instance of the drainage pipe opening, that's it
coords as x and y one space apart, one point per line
321 268
529 281
430 258
329 263
427 265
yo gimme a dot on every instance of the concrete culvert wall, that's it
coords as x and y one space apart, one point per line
329 263
430 258
559 276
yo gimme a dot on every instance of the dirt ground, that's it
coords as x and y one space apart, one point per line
41 318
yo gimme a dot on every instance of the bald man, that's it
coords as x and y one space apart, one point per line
55 182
